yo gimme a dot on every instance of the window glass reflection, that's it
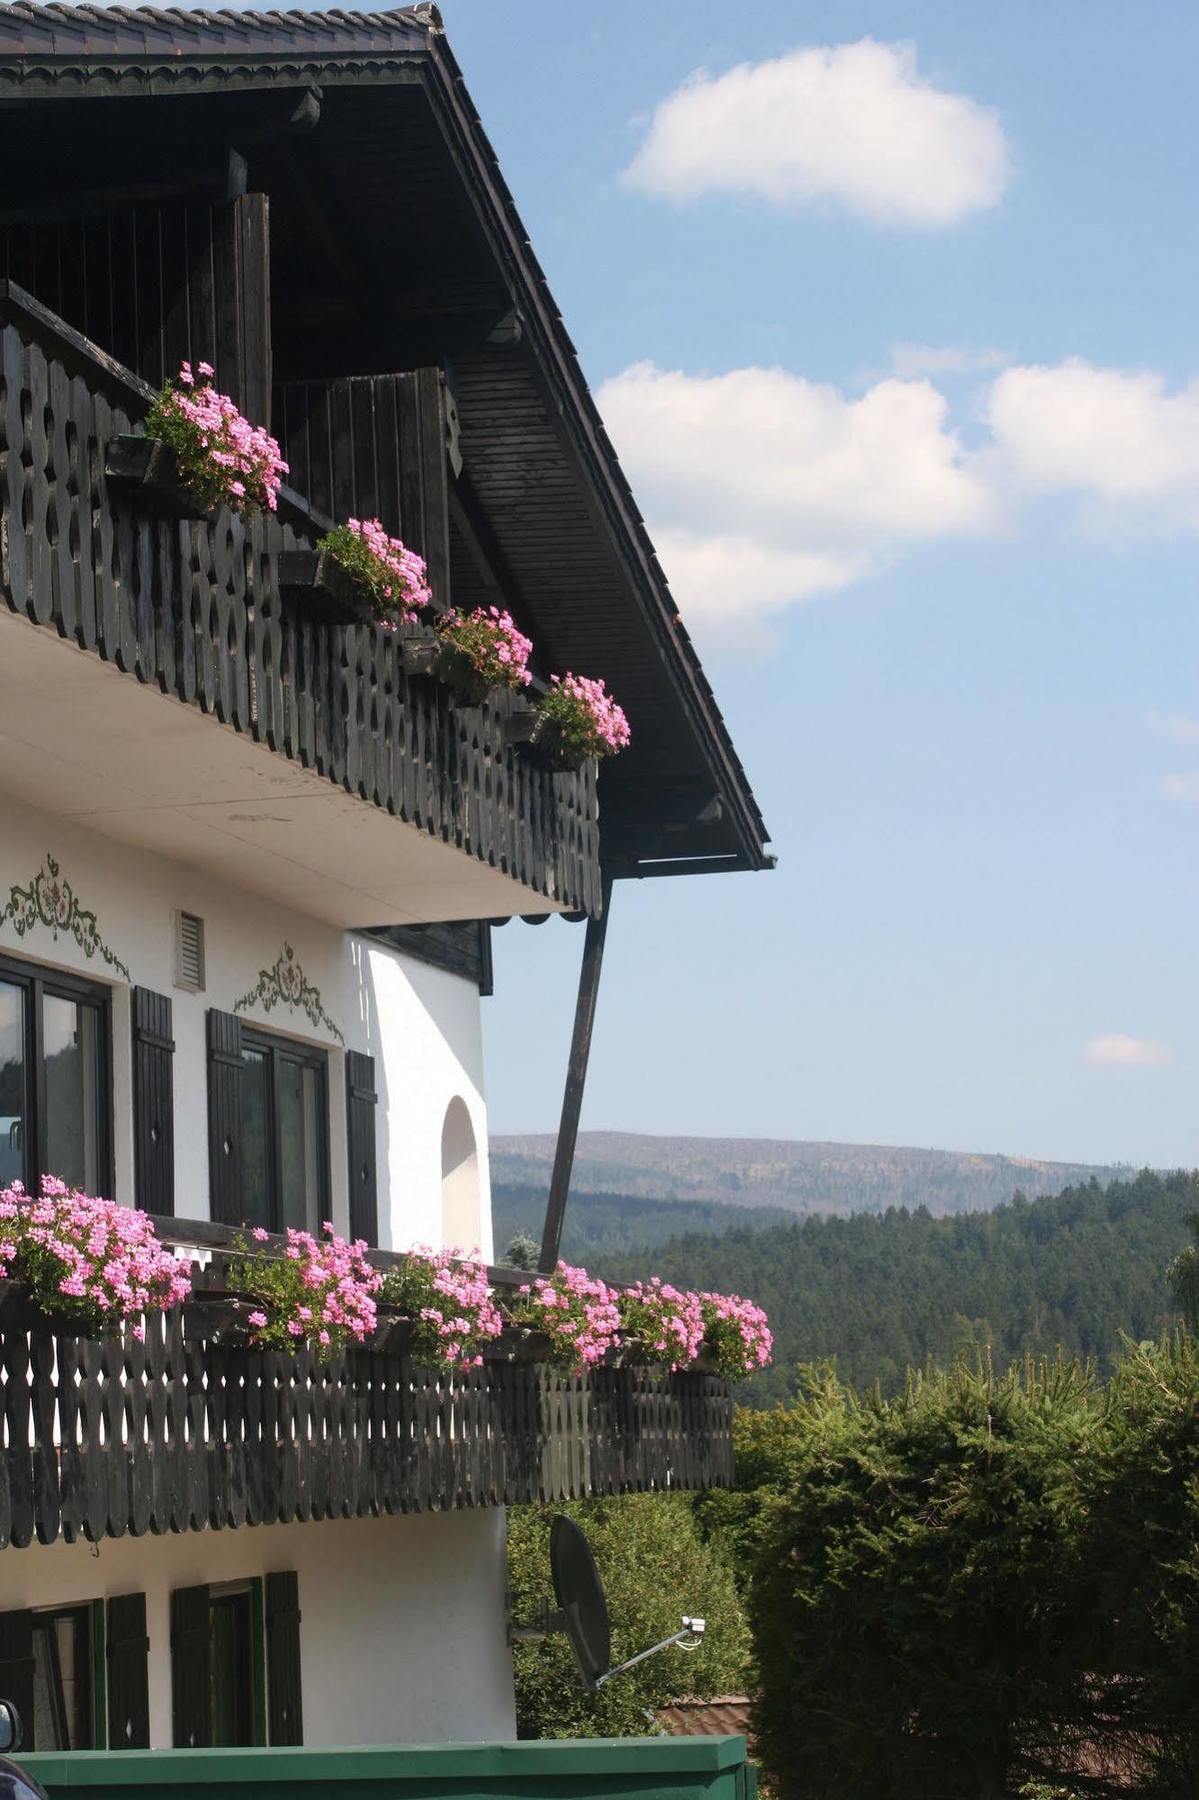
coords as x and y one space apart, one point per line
256 1137
70 1034
300 1152
13 1085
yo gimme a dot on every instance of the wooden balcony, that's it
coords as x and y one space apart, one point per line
181 1434
300 760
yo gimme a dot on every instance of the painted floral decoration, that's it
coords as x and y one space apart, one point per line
578 718
667 1324
490 643
577 1312
319 1294
51 901
736 1334
450 1304
94 1263
222 458
285 984
394 577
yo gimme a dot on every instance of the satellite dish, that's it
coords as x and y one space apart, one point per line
581 1599
583 1610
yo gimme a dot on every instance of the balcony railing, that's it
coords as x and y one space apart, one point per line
181 1433
194 609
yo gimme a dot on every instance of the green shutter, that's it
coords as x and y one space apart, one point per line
284 1702
16 1668
191 1669
128 1660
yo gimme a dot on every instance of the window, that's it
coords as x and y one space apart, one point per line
55 1096
284 1133
235 1663
64 1684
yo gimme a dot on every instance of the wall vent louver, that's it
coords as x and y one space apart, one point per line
189 952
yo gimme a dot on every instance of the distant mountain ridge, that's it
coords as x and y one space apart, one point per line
801 1178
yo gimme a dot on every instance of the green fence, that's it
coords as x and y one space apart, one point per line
586 1769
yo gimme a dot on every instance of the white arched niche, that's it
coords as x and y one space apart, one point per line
461 1224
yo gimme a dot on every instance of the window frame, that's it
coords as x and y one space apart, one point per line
39 983
276 1045
87 1620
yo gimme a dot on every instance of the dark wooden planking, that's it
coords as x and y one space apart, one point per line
590 971
127 1652
285 1714
195 610
224 1116
362 1139
462 948
192 1435
153 1102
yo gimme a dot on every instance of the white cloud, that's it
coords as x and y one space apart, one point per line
850 123
762 489
1120 438
1115 1050
1176 726
1184 786
911 361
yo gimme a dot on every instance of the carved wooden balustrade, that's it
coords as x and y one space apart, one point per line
182 1434
193 607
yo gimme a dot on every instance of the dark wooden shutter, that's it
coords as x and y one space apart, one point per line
360 1133
285 1714
191 1668
224 1116
16 1668
127 1656
153 1103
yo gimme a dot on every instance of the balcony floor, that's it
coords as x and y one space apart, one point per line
82 741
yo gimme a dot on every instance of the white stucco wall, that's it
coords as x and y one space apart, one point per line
421 1025
402 1634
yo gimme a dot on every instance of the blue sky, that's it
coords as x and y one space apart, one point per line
935 300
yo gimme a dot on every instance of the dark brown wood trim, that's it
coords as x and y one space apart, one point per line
576 1080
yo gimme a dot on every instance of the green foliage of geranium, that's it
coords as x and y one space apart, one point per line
656 1567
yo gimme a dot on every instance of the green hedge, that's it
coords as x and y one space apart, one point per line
986 1587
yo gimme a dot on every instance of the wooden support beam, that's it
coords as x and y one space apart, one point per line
576 1080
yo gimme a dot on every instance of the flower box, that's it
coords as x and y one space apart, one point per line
420 653
520 1344
19 1311
220 1319
394 1330
632 1353
424 653
327 591
459 674
145 470
520 722
546 745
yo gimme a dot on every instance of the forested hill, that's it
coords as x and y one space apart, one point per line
796 1177
607 1225
881 1293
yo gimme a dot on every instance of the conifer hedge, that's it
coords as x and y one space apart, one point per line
984 1588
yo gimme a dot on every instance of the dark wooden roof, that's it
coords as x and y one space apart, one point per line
404 162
